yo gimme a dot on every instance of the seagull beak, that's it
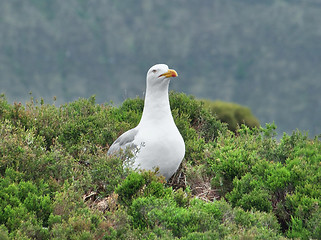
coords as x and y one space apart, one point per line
170 73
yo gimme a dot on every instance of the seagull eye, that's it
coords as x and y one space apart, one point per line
154 71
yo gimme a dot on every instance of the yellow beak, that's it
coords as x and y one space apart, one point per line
170 73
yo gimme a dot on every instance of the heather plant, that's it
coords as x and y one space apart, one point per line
205 219
57 181
231 113
279 177
207 126
23 201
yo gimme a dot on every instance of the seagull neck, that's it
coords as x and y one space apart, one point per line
156 105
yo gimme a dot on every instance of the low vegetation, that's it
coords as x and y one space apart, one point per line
57 181
231 113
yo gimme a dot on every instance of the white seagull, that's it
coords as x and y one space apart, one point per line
156 141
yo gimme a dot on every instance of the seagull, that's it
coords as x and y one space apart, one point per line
155 142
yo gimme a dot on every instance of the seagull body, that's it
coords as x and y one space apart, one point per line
156 141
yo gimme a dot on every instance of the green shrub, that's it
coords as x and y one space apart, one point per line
23 201
146 183
4 232
249 194
57 181
278 178
314 224
151 212
229 160
130 187
200 219
231 113
297 230
207 126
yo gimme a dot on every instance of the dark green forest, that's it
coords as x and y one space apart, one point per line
262 54
57 181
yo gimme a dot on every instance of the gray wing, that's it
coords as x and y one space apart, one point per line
123 142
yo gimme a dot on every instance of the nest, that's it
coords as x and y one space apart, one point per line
199 185
109 203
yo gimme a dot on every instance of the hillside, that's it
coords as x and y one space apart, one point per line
262 54
58 183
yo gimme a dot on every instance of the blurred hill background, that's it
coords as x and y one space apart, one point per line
262 54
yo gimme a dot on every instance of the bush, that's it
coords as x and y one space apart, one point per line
249 194
4 232
146 183
57 181
23 201
231 113
254 171
200 219
207 126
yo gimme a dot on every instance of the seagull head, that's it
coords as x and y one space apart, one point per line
159 76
